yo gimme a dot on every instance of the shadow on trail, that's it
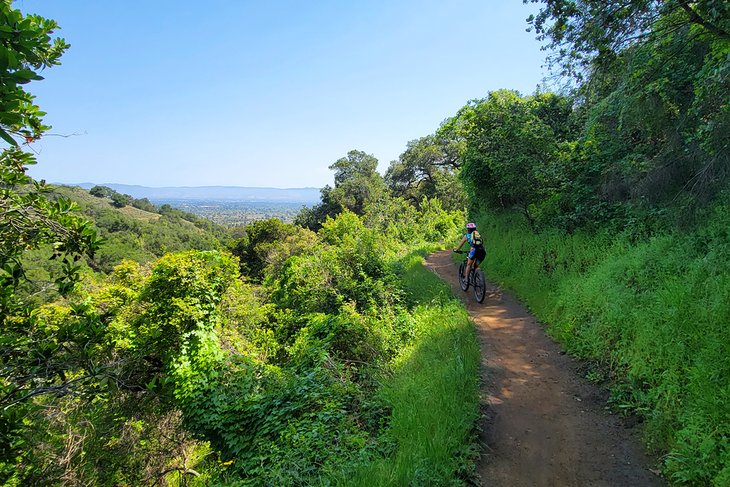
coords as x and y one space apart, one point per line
543 425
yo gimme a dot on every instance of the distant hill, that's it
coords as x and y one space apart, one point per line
215 193
139 235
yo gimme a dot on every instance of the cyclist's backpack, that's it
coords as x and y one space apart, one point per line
476 239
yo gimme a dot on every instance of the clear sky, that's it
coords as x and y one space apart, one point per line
264 93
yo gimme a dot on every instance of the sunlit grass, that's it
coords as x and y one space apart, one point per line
433 393
652 314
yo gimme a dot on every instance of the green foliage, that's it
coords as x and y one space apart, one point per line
26 47
267 244
427 169
433 389
106 368
646 127
652 312
182 294
357 184
584 35
511 148
101 192
41 350
645 134
28 220
346 267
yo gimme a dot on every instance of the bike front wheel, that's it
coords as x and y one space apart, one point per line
463 282
480 286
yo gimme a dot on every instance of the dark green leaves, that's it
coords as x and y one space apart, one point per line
7 138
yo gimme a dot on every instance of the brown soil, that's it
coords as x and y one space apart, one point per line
543 423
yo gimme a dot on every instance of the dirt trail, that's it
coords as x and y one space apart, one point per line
544 424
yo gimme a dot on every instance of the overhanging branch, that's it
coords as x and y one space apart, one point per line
694 17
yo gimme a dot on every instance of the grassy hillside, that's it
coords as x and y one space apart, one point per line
653 316
127 232
139 235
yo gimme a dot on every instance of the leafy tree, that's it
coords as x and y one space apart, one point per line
267 244
30 220
99 376
101 192
27 218
120 200
427 169
357 183
511 143
649 118
144 204
586 34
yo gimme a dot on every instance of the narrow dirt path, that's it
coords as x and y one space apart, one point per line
544 424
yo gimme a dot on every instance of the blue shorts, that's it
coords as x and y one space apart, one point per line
478 253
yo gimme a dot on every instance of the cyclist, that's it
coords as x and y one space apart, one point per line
477 252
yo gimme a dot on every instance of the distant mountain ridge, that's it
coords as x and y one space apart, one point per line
214 193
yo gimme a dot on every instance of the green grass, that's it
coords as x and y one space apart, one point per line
654 315
433 393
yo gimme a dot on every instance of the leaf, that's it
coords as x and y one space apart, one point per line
8 138
4 59
23 76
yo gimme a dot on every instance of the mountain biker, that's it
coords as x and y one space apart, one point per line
477 252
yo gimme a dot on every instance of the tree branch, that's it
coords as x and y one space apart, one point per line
695 18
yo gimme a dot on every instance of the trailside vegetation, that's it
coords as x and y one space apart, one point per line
186 369
605 207
146 346
319 352
650 316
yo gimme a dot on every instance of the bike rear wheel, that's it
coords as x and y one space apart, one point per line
480 286
463 282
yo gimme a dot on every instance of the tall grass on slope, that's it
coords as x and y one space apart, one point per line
433 393
655 314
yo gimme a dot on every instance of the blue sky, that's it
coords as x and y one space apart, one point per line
266 93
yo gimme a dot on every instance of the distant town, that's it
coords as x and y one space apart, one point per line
232 213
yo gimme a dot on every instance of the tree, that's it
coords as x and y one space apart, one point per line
357 181
267 244
120 200
101 192
30 220
27 218
586 34
511 142
427 169
357 184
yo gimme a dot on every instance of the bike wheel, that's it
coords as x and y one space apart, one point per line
464 283
480 286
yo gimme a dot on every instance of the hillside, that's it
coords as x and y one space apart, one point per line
140 235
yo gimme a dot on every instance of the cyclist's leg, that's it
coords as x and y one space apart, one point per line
470 262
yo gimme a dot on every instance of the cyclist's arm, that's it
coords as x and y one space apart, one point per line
461 244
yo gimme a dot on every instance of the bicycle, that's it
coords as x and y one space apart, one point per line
475 279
